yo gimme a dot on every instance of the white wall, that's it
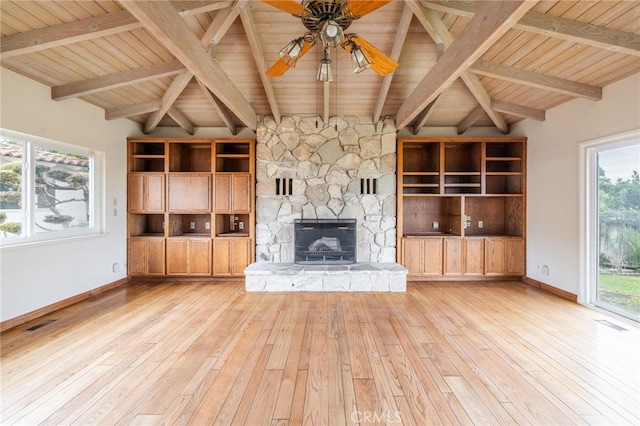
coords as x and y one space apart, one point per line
39 275
553 209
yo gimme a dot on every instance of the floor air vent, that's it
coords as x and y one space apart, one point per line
610 324
40 324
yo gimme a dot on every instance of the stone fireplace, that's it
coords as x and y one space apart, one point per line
309 170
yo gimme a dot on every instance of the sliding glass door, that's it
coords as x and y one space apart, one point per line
615 221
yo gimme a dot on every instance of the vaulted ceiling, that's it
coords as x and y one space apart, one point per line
201 63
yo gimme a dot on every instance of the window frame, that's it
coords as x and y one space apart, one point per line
29 209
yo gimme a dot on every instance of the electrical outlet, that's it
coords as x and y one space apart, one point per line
207 225
241 225
192 225
435 224
480 224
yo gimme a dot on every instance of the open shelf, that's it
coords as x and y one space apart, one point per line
145 225
189 157
147 157
504 183
491 216
431 215
233 156
194 225
462 157
421 157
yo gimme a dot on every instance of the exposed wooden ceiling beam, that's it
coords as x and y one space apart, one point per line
557 27
87 29
540 81
168 99
222 110
492 21
112 81
470 119
168 27
398 43
441 35
217 29
182 121
258 56
518 110
131 110
424 116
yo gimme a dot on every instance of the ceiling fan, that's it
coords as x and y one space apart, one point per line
326 22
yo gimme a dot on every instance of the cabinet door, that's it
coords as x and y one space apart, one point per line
146 193
241 193
137 256
146 256
221 256
155 256
232 193
189 193
177 252
154 200
240 251
199 257
452 264
514 256
473 256
412 258
223 193
432 255
494 256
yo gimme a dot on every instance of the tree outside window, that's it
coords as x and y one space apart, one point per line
61 190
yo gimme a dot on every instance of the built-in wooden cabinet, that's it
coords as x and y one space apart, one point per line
190 206
461 207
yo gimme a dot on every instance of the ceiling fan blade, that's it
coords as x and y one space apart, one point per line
280 66
357 8
380 63
289 6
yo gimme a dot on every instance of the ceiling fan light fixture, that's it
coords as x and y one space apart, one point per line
290 53
331 33
324 70
359 60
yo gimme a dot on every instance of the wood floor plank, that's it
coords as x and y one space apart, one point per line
286 391
171 352
316 401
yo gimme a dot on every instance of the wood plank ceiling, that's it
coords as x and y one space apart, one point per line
201 63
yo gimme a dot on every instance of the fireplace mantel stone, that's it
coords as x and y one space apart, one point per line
325 165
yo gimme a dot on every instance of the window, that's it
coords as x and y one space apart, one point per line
48 189
611 231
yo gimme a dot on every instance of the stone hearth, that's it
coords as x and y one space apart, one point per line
267 276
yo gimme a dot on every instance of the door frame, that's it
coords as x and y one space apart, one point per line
588 198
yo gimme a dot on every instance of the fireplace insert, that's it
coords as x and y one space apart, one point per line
325 241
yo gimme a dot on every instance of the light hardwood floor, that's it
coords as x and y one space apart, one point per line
202 353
